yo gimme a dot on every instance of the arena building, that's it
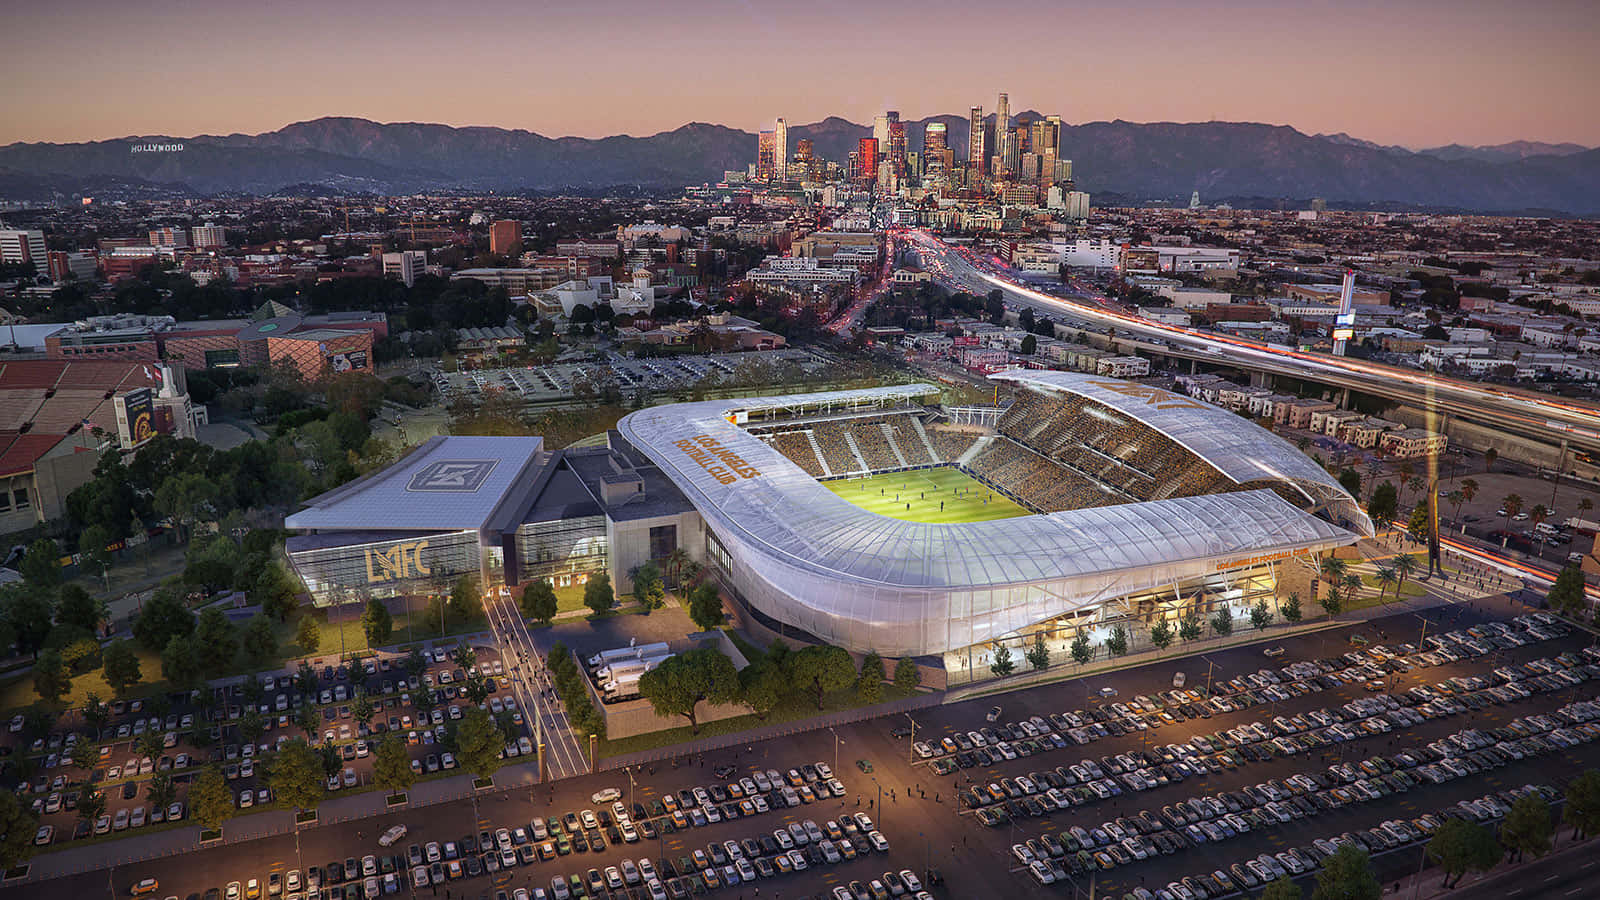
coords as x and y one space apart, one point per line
874 519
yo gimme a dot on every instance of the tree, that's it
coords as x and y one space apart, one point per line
41 564
308 719
705 607
84 755
295 775
1347 875
81 655
1290 609
260 641
1489 456
819 669
906 674
1222 622
1566 594
161 791
1352 589
76 606
434 615
50 678
869 687
91 804
464 656
1419 526
1512 504
597 593
648 587
391 767
180 663
17 827
1383 505
376 623
1079 650
184 497
164 615
1003 664
678 685
307 634
1582 810
363 708
479 743
476 688
762 686
1117 642
414 663
216 641
120 666
1029 345
95 712
1189 628
1038 655
1350 480
1527 828
1460 846
539 601
210 801
274 592
1161 635
251 726
1386 577
1260 616
466 603
1332 569
1330 601
148 745
28 613
676 563
424 699
1282 888
1404 565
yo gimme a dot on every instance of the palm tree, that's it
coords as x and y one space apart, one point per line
1512 504
1538 514
1333 570
1352 588
1404 565
1386 578
1584 505
1469 488
675 563
1458 498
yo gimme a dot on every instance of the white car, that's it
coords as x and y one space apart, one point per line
606 796
392 835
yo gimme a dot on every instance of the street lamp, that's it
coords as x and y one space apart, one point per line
629 770
911 752
836 742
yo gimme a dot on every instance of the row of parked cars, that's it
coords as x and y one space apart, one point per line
1229 814
1295 861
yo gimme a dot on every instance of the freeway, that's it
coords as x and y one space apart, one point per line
1533 415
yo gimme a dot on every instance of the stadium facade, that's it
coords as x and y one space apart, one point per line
1141 504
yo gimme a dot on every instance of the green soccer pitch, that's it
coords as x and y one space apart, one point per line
916 496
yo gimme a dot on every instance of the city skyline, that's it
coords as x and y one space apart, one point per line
1415 75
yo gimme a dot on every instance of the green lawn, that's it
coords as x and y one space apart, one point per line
941 496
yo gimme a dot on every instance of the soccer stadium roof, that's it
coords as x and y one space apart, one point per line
812 559
446 484
1239 449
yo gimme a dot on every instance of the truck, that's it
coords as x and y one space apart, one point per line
631 651
1584 527
619 667
623 686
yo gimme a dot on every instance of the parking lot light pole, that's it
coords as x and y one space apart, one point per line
629 770
911 752
836 743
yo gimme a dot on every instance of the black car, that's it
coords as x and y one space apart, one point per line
724 772
129 790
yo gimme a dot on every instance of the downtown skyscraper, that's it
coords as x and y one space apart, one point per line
1005 150
780 150
977 148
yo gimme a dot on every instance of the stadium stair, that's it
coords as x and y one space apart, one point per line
977 447
922 435
894 446
817 449
850 441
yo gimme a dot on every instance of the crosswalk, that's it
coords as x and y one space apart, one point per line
564 757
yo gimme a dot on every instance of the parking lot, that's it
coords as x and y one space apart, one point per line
206 727
1342 759
553 383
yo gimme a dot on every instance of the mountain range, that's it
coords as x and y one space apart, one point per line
1240 162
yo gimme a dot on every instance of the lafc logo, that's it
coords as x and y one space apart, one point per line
452 475
398 562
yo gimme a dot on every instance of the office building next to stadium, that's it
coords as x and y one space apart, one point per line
1143 505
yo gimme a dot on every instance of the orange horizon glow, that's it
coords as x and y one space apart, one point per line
1417 74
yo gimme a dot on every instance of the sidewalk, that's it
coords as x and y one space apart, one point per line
1430 883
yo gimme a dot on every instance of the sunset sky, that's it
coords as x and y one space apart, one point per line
1413 73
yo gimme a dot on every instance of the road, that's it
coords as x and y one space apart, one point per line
913 807
1534 415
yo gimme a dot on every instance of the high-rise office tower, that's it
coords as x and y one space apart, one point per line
880 129
867 155
934 139
897 144
977 152
780 150
766 155
505 236
1046 135
1004 140
803 150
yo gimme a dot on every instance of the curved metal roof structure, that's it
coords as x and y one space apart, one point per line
805 556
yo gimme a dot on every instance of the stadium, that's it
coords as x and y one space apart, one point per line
875 519
879 520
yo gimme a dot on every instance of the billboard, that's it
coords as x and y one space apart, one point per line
135 417
964 341
353 361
